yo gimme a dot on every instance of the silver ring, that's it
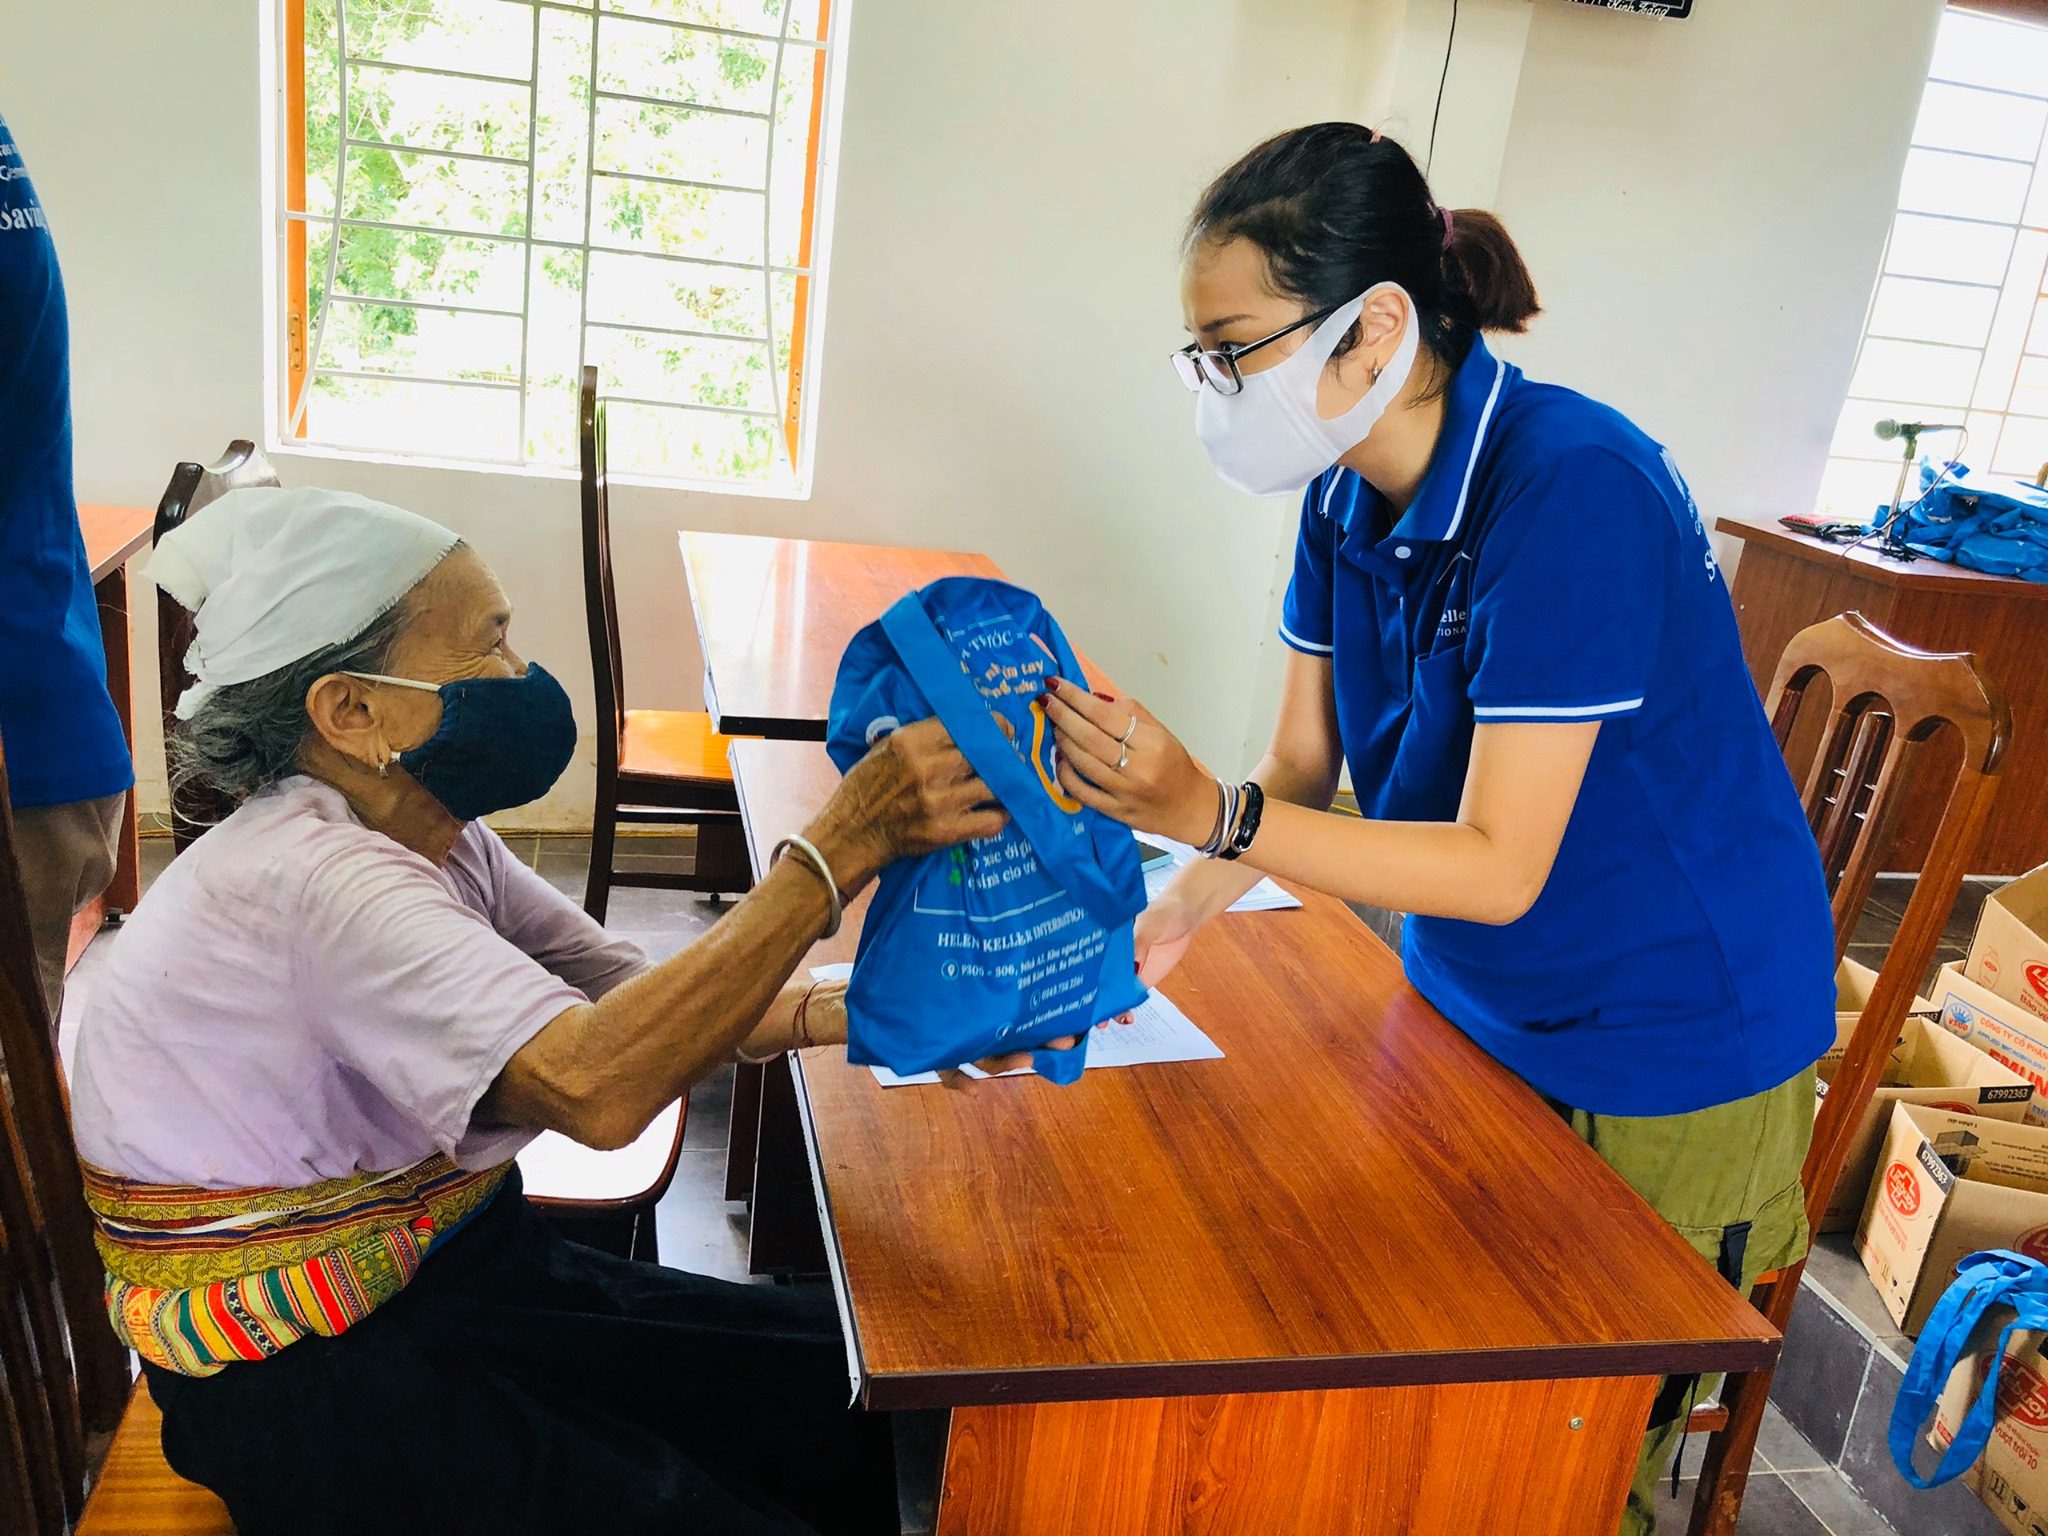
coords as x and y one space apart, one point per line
1125 739
1123 760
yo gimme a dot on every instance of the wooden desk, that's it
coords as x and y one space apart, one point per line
114 536
1353 1277
774 616
1786 581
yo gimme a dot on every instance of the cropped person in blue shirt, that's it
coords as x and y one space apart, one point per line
68 767
1505 617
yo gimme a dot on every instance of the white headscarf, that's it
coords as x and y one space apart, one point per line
271 576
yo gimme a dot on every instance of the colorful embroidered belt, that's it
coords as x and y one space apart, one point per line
200 1278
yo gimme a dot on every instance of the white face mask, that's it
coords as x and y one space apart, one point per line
1268 437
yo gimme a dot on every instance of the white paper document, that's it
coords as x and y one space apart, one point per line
1158 1032
1263 897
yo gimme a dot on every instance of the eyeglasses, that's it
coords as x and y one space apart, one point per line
1218 368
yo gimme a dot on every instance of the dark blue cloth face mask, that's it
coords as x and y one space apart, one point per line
502 741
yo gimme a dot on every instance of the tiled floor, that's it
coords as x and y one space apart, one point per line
1792 1491
1881 918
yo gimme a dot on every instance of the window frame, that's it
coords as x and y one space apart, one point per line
1988 454
792 407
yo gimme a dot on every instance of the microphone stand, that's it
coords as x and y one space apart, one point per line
1894 545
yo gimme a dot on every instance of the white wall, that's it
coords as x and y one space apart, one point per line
1013 180
1703 204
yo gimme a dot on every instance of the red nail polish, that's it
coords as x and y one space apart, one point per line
1052 685
1107 698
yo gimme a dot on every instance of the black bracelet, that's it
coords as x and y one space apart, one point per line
1248 822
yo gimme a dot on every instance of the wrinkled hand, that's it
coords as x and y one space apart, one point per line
912 794
1116 758
1162 935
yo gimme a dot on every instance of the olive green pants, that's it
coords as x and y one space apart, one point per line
1727 1179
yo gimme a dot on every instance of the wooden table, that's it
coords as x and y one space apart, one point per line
113 537
1353 1277
774 616
1786 581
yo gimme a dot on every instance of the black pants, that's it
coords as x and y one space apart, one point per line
523 1383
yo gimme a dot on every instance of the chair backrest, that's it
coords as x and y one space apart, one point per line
1885 704
600 603
63 1375
192 487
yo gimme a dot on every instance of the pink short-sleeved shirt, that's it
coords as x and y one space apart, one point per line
299 998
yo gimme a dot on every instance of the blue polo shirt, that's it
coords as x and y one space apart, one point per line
57 722
1553 567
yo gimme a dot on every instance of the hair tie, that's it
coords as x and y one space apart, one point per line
1449 225
1376 136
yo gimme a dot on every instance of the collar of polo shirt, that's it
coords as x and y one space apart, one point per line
1437 514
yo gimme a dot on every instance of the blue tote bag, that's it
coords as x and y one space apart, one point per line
1985 1281
1003 944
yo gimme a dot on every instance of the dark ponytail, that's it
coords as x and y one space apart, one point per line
1489 271
1336 209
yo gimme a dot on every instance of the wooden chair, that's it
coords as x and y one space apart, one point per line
65 1390
192 487
1883 704
653 765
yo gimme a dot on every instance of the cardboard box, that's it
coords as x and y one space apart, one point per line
2001 1029
2011 1477
1853 984
2009 955
1932 1067
1947 1185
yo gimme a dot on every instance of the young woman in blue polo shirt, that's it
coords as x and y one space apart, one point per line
1505 617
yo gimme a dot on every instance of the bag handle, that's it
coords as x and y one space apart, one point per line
1060 840
1986 1280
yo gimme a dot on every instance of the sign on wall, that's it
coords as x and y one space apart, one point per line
1674 10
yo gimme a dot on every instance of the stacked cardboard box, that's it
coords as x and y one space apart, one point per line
2011 1477
2009 955
1946 1184
1932 1067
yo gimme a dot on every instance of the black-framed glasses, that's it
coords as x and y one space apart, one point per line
1218 368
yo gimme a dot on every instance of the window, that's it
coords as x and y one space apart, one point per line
1958 327
481 196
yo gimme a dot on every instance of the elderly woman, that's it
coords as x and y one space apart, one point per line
332 1023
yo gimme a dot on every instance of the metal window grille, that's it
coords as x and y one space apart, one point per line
481 196
1957 328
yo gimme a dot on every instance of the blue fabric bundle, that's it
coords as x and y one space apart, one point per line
1003 944
1984 1281
1986 522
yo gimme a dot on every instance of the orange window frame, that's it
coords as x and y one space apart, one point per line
792 416
297 306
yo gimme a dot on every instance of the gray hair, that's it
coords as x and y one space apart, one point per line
248 735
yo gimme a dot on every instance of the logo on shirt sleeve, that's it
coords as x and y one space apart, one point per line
1692 508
